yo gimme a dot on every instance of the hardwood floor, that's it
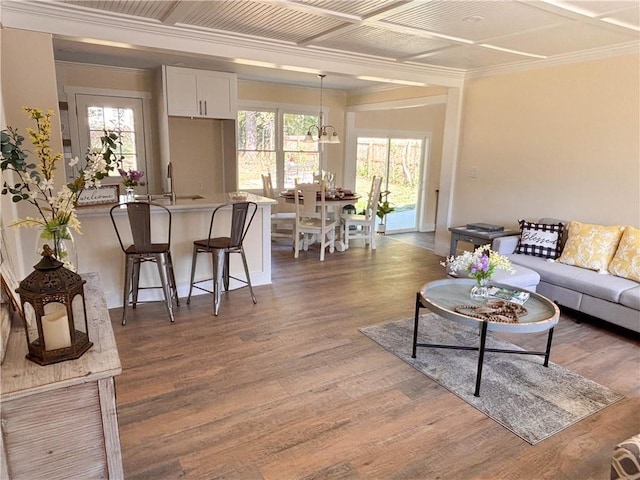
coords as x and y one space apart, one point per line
290 389
424 240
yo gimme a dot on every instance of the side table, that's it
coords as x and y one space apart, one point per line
60 421
476 237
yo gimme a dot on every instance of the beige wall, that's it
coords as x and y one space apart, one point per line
196 155
98 76
28 79
393 94
557 142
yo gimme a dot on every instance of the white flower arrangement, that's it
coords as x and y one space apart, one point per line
35 180
479 264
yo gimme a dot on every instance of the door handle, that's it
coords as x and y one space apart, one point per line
200 107
205 108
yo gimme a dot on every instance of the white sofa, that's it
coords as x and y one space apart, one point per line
608 297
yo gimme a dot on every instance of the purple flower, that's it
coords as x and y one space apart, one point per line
131 177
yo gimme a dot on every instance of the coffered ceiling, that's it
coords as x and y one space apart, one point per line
454 37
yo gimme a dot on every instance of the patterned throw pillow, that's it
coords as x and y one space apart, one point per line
540 239
591 246
626 261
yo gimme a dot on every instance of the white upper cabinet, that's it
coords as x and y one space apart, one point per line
200 93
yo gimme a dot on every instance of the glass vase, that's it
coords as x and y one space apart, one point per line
130 195
61 242
479 291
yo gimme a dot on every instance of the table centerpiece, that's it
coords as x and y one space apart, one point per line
480 265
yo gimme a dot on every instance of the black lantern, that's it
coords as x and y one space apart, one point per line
55 314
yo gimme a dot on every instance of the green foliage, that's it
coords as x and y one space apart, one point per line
14 158
34 182
384 207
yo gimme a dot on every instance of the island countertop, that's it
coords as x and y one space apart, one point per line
208 202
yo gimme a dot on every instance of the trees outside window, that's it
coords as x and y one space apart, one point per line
272 141
399 161
122 115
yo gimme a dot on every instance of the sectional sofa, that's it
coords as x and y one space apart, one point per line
592 269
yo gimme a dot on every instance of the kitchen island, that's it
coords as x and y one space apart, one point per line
99 250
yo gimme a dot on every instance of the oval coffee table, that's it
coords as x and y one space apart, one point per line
443 296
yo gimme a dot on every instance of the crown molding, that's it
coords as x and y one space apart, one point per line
630 48
74 23
102 68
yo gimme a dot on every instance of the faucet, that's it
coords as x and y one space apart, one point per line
171 193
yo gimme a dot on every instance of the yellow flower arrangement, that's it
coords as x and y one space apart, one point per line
35 181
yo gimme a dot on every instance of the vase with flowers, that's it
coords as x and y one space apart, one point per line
480 265
33 182
130 180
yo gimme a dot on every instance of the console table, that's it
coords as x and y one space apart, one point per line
59 421
475 237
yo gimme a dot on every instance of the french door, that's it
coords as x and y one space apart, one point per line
120 114
401 163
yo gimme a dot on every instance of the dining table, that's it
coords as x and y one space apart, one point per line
334 203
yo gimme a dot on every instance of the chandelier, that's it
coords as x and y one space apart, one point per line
326 133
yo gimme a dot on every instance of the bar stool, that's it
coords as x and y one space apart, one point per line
142 250
221 248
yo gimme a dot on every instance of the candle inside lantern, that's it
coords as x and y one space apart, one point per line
55 327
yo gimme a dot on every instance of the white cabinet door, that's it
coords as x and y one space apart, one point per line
200 93
182 92
217 91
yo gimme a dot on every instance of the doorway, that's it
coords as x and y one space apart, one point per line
400 160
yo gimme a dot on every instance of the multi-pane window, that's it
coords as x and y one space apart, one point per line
256 147
272 141
122 115
120 120
301 159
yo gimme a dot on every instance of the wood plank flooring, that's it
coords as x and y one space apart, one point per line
290 389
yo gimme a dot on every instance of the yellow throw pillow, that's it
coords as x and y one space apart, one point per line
626 262
591 246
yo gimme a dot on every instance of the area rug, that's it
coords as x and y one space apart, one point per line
517 391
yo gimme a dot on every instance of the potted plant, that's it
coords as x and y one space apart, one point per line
384 207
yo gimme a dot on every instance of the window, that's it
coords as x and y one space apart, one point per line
120 120
123 115
272 141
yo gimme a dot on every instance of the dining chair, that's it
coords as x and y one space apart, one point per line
221 247
356 226
312 221
280 220
143 249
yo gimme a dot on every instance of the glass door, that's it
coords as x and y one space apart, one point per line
122 115
400 162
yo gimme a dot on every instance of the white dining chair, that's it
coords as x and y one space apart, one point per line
312 220
282 222
355 226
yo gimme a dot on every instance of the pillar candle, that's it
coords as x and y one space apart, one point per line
55 328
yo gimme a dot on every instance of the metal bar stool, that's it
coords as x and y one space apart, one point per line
142 250
220 248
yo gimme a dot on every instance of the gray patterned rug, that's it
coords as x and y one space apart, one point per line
517 391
